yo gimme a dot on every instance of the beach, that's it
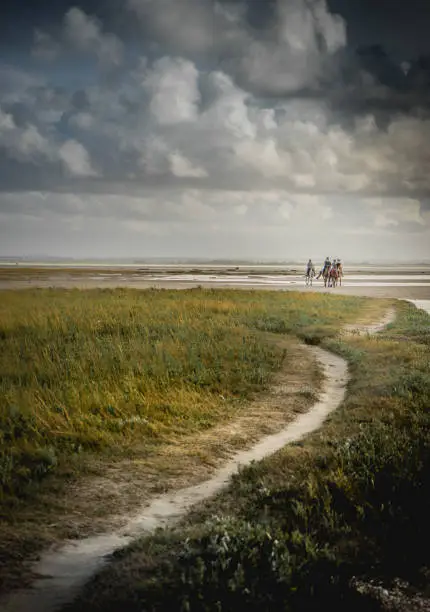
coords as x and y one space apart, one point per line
404 282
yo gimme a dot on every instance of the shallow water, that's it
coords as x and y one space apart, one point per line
63 572
353 280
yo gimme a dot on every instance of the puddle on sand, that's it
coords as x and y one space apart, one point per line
63 572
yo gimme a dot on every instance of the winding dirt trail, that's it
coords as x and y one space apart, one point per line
63 573
372 328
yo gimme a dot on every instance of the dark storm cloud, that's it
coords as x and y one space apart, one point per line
381 37
400 27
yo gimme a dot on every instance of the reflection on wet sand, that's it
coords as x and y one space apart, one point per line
389 281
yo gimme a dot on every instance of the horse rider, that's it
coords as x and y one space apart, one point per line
326 266
310 268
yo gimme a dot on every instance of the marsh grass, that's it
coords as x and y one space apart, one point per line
110 396
292 531
99 371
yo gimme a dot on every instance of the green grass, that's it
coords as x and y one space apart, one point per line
290 532
95 382
100 371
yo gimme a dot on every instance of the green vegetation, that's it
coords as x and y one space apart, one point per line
106 389
99 371
292 531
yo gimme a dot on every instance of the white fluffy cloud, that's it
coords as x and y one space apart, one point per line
27 144
184 123
23 143
182 167
76 159
234 137
173 90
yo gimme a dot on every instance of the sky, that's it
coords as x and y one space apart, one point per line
262 129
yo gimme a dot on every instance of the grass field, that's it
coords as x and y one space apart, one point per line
291 532
92 378
91 370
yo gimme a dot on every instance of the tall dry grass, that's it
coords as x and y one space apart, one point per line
103 370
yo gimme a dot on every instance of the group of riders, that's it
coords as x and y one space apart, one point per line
331 272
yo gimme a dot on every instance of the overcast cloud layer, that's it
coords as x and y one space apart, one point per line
213 129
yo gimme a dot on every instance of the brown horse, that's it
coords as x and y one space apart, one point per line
333 276
326 275
339 273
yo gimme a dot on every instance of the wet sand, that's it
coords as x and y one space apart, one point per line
416 289
404 282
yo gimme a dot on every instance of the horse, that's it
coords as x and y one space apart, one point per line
309 276
333 276
339 273
326 275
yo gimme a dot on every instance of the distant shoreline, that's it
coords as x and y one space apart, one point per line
119 264
291 268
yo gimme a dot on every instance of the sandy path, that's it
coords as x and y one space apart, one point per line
373 328
64 571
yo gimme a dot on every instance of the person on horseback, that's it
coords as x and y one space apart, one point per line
310 273
332 274
310 267
333 266
326 266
